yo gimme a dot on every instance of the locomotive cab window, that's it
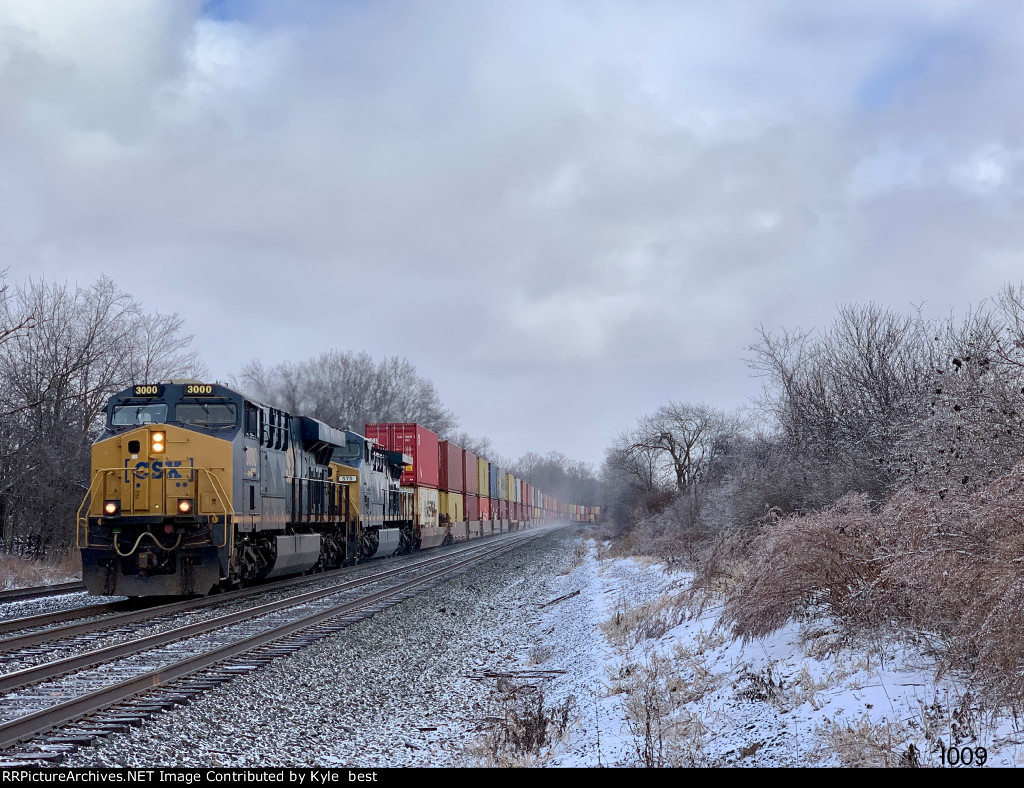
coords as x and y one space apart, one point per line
252 419
207 414
131 415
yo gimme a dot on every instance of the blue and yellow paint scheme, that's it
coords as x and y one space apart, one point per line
196 487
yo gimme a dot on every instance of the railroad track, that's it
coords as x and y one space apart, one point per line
94 694
36 592
40 629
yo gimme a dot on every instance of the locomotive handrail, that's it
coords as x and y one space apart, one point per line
82 523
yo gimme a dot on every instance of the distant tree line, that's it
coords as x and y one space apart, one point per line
877 402
347 389
571 481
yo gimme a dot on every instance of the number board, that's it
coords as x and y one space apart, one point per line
198 390
148 390
347 478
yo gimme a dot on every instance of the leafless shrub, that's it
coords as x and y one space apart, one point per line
950 570
823 559
522 726
664 731
763 686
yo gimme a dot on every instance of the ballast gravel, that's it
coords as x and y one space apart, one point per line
413 686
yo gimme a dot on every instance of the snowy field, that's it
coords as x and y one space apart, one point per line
556 657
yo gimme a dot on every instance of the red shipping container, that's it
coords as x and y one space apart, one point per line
469 474
504 510
450 466
416 441
472 508
485 508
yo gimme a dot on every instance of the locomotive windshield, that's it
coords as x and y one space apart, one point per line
207 414
130 415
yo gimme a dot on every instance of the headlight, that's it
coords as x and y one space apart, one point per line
157 443
185 505
111 508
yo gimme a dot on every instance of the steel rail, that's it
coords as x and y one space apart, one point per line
22 728
132 616
56 617
38 673
36 592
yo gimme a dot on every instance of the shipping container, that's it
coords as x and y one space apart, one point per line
485 508
509 481
425 510
470 473
418 442
483 477
472 508
449 467
450 507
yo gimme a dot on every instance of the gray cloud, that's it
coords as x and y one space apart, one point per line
564 213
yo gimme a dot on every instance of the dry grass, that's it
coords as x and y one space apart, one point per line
947 572
631 625
522 726
18 572
655 694
863 743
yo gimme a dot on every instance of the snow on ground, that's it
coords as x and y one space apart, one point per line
792 699
452 678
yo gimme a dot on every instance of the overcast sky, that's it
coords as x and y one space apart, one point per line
563 213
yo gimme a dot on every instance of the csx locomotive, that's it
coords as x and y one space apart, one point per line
196 487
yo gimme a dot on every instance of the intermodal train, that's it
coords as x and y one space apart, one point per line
196 487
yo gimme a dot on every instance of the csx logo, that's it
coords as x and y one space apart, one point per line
144 470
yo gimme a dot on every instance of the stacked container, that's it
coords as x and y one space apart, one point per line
483 482
418 442
471 486
423 475
451 504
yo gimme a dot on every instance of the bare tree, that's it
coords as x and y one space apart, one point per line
684 439
78 346
840 398
348 389
481 447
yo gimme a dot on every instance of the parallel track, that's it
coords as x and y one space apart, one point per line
57 696
36 592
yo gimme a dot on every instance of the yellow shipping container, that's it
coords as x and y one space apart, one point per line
510 483
483 477
451 507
